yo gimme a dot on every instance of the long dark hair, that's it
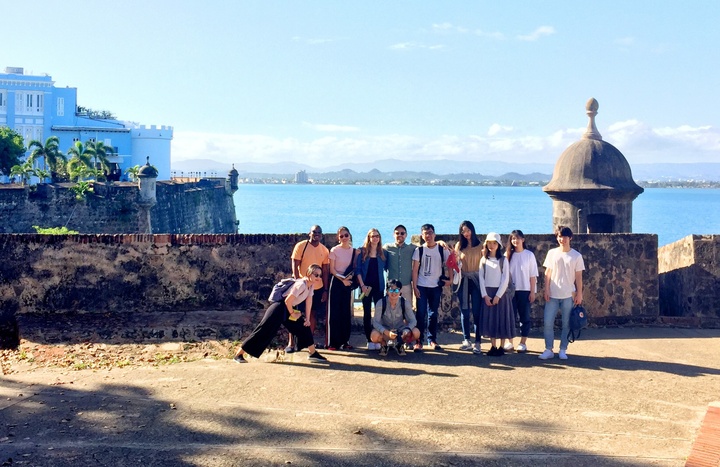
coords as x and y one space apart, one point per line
510 248
474 241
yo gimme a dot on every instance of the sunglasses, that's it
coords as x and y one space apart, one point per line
375 236
317 276
400 234
343 235
393 290
315 232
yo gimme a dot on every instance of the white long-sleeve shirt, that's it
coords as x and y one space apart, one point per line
492 275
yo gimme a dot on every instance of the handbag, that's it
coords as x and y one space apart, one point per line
578 322
350 273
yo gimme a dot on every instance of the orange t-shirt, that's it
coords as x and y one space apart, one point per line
313 255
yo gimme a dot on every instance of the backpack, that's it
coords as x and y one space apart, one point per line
402 306
443 277
578 322
510 291
278 291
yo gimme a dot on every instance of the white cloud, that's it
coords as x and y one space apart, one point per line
542 31
635 139
496 128
330 127
415 45
449 27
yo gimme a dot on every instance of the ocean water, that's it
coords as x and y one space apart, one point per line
671 213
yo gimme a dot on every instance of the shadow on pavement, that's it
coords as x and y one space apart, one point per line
121 425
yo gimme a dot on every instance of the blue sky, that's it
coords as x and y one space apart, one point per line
325 82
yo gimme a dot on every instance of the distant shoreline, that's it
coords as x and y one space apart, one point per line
484 183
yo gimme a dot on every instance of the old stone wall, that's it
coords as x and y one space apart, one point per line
134 287
197 207
689 278
620 278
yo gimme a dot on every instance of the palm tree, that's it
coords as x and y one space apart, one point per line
24 171
42 174
132 172
80 161
49 152
100 153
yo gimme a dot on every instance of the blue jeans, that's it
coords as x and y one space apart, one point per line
475 306
552 306
428 304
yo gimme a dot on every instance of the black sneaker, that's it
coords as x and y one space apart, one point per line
500 352
383 350
493 352
400 349
317 358
239 359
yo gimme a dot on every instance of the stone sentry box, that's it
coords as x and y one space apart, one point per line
135 288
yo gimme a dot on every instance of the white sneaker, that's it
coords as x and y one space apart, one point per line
476 349
522 348
563 355
466 345
371 345
508 346
547 354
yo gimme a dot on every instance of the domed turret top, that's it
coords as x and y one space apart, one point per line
592 164
147 170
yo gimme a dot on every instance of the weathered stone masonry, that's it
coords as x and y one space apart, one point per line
199 207
193 287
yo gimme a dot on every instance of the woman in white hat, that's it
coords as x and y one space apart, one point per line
498 318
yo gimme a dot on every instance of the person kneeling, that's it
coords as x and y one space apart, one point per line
394 322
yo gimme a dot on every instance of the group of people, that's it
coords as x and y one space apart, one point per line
495 284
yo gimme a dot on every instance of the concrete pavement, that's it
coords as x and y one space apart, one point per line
626 397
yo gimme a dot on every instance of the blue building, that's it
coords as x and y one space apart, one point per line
36 109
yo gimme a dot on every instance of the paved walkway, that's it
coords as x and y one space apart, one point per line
626 397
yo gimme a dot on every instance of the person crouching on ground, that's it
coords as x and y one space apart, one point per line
286 314
394 321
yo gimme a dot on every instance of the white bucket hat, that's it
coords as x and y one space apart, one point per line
493 237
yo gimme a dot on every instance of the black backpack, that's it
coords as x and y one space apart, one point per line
402 306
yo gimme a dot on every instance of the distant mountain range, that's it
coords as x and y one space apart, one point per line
393 169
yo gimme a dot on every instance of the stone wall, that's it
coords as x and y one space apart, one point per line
198 207
620 278
192 287
689 277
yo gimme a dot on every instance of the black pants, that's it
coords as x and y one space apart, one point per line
275 316
339 314
522 305
367 303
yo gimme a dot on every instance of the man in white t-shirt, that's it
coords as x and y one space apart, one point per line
563 287
426 275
